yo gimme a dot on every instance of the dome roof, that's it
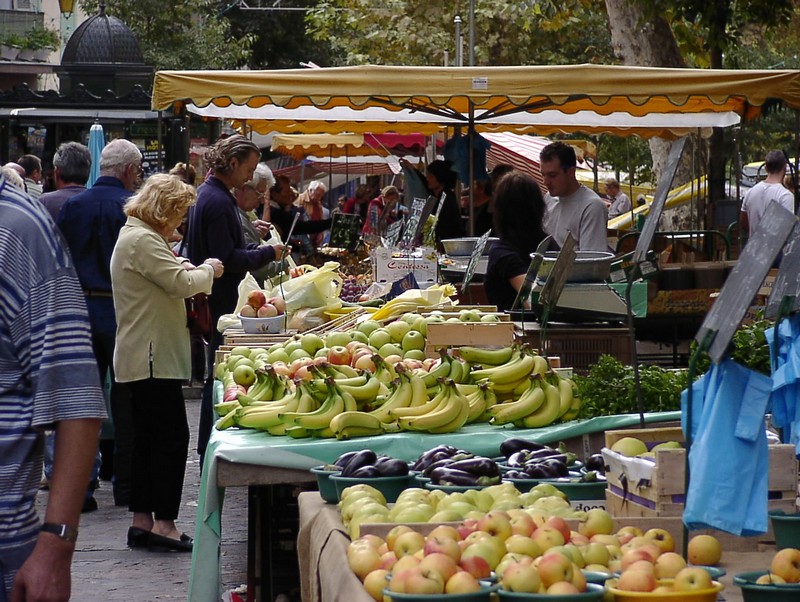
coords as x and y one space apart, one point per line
102 39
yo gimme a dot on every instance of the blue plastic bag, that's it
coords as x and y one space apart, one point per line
786 379
728 459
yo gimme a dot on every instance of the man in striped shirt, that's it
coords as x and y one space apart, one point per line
48 379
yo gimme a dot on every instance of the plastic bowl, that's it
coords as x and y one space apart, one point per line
700 595
786 528
327 490
593 592
753 592
483 595
715 571
522 485
271 325
596 577
390 487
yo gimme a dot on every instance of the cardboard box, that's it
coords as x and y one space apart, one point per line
638 488
475 334
390 265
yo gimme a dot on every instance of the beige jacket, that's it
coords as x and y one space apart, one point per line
149 286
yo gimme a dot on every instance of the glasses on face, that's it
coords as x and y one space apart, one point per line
261 195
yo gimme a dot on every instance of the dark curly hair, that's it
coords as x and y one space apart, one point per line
218 157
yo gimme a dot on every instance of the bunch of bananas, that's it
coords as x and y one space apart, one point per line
412 300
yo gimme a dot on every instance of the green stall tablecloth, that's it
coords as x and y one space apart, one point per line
252 447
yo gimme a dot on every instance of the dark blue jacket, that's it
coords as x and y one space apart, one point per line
215 231
90 222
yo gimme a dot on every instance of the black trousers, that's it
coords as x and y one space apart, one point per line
207 400
161 442
121 416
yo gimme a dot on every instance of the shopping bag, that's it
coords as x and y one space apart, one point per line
728 458
198 315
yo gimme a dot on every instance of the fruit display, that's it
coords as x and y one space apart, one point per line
780 582
259 306
537 461
375 378
353 289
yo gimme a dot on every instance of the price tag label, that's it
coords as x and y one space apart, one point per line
345 231
557 278
393 234
523 300
787 284
657 207
743 282
477 251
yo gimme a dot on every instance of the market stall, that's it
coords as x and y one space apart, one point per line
286 460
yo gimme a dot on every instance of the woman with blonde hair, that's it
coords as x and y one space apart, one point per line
152 353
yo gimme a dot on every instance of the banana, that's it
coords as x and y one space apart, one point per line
507 373
355 422
457 368
298 432
429 406
350 403
486 357
565 394
477 402
468 388
546 414
540 366
515 388
226 421
453 409
264 415
326 433
321 417
441 370
279 430
224 407
351 432
530 401
574 409
419 393
343 370
383 371
365 393
458 421
399 398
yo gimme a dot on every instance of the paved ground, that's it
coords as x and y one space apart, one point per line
105 569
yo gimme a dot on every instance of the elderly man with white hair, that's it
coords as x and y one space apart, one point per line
310 202
91 222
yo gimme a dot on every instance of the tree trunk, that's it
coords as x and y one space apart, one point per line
638 40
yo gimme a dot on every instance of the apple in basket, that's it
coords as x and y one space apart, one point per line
279 303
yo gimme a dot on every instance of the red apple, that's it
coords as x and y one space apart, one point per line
279 304
441 563
637 581
562 588
476 566
521 577
554 567
375 582
462 582
786 564
256 299
560 524
338 355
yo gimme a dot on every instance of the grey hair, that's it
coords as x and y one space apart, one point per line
73 161
10 174
117 155
612 182
262 174
219 156
314 185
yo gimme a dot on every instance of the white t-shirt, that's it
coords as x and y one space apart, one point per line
583 214
762 194
621 204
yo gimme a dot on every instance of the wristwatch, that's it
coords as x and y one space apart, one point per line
65 532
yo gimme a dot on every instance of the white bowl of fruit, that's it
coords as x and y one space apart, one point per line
263 315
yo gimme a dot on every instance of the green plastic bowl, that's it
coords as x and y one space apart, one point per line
483 595
786 528
451 488
715 571
390 487
327 490
596 576
593 592
753 592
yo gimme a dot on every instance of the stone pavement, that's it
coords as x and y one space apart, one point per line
104 568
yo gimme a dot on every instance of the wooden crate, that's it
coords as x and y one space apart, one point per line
478 334
582 347
664 496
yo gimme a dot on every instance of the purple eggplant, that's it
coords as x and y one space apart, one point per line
365 457
478 465
596 462
366 472
515 444
391 467
425 457
342 460
444 475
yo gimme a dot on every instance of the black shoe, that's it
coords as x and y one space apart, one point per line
138 538
89 505
159 543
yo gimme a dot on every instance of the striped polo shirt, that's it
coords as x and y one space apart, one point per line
48 371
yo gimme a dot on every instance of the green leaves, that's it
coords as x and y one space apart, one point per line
610 388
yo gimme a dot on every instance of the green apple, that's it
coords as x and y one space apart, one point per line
446 516
420 325
469 315
413 340
378 338
414 354
322 352
337 339
241 350
397 330
298 353
292 345
409 318
454 320
629 446
390 349
490 318
359 336
311 343
433 318
279 355
368 326
244 375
